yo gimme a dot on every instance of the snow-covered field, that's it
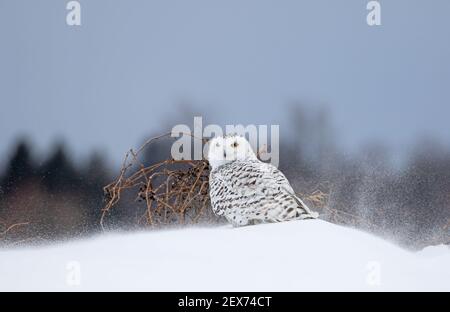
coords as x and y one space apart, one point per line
291 256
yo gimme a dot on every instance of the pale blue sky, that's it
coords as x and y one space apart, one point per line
115 79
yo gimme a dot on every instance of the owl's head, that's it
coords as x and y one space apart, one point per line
222 150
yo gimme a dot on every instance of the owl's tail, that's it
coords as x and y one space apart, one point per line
304 212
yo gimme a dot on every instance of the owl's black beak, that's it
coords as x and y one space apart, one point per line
224 155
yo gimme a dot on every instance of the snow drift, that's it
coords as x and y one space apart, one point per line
293 256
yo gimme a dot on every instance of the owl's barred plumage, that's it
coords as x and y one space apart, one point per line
246 190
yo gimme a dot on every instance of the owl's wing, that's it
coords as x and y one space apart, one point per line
253 179
277 176
283 182
241 183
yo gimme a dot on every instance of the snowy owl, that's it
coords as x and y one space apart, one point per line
248 191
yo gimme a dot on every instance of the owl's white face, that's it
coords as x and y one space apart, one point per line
226 149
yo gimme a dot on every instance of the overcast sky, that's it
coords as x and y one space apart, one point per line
120 75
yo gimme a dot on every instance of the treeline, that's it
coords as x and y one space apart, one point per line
56 198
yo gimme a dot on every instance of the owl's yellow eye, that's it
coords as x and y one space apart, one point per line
235 144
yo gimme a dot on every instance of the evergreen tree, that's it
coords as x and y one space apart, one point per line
19 169
58 173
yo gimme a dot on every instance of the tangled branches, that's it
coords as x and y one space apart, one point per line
172 190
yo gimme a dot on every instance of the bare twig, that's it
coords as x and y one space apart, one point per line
11 227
